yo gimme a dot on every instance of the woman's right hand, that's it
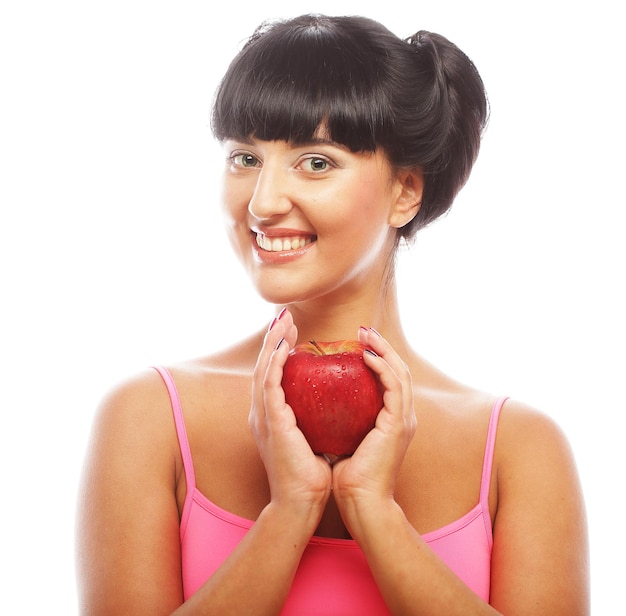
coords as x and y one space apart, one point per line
297 477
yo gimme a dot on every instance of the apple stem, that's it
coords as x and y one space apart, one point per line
318 347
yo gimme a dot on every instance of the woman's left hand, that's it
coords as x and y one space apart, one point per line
369 475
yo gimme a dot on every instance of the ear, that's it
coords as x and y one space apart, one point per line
409 188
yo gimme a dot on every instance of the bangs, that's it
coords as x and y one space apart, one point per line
286 85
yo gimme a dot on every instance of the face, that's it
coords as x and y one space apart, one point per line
309 221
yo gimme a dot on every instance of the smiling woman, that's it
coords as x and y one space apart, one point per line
288 200
202 494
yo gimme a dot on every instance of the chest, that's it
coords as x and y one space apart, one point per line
439 481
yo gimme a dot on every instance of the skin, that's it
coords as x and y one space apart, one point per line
416 471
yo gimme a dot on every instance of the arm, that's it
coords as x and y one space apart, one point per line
539 556
540 553
128 524
128 557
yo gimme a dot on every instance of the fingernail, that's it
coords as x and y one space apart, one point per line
370 352
279 343
275 320
373 330
363 328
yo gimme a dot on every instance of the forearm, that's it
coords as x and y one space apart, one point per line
410 576
257 576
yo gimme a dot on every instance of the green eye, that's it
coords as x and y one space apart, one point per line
318 164
245 160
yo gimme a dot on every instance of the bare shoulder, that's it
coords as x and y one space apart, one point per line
133 442
139 408
536 471
534 462
540 543
540 550
529 438
127 524
134 394
136 410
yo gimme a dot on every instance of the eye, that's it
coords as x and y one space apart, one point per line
245 160
315 164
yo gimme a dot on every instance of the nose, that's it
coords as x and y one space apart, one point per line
270 197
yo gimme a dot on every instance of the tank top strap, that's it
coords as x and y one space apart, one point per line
489 450
181 430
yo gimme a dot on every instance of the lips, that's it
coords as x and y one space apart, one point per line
284 243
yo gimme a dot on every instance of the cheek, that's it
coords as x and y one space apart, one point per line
355 218
367 208
234 217
234 205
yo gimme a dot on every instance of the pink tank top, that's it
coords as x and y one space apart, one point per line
333 573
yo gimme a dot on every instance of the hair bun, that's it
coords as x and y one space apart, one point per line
417 39
457 104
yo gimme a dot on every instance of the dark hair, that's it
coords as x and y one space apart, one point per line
420 100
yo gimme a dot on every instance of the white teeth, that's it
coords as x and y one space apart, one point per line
281 244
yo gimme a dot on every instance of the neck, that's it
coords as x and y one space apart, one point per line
325 321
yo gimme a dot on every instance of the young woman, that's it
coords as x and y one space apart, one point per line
201 494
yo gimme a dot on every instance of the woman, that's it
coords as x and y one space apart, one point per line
341 141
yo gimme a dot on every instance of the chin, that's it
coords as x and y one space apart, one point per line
283 294
279 298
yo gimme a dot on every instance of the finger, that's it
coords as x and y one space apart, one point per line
266 395
287 327
273 394
275 332
371 338
281 327
393 393
392 370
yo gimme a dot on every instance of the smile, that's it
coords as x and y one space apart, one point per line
282 244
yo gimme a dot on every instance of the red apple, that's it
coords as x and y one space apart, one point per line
333 394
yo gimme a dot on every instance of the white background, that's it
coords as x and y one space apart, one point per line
112 255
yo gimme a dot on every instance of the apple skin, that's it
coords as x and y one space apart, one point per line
333 394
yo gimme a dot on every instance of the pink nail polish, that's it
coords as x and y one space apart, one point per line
277 318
